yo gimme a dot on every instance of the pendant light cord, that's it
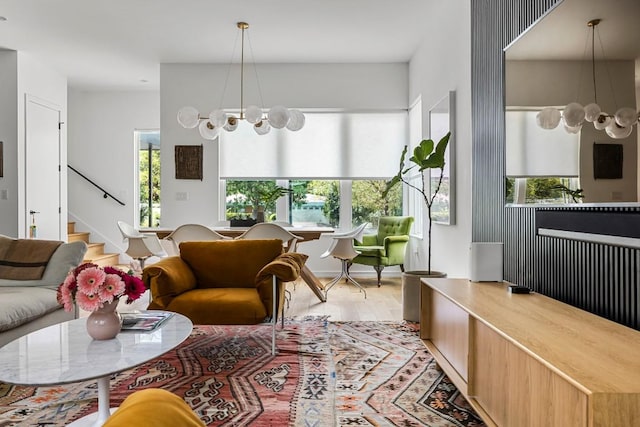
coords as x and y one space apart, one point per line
593 62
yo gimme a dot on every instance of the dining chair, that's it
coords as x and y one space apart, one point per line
192 233
269 230
141 246
342 249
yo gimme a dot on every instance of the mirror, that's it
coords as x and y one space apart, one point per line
550 65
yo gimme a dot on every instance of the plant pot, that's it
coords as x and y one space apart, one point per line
242 222
411 292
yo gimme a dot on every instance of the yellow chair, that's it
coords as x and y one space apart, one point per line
224 282
153 407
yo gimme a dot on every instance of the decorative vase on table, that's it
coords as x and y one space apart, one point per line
104 323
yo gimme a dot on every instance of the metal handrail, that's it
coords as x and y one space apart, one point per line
105 192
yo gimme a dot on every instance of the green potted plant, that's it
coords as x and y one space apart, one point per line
267 197
426 156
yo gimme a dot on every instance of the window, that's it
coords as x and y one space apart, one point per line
312 202
148 143
334 169
245 198
543 190
368 205
315 203
309 203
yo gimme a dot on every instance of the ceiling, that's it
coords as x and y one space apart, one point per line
120 44
564 34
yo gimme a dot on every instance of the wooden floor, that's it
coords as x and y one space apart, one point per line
344 301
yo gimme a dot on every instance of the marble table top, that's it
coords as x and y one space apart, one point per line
65 353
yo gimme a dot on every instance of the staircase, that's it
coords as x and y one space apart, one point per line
95 252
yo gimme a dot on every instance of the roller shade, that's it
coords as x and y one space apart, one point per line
331 145
533 151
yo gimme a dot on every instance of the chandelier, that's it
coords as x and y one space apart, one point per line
218 120
574 115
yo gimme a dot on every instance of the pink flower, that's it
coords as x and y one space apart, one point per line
113 287
91 286
90 279
88 302
66 293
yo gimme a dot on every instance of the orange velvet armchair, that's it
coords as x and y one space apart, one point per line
223 281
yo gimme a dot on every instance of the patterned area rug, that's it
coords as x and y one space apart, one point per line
386 377
325 374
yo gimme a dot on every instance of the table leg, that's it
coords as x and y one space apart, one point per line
312 281
103 401
98 418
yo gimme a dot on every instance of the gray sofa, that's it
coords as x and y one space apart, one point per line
28 305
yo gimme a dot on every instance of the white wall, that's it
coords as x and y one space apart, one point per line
556 83
101 146
40 81
443 63
23 75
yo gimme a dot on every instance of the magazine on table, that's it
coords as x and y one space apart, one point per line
144 320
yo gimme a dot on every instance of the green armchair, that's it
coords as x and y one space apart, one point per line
387 247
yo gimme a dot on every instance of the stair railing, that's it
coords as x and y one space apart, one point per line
105 192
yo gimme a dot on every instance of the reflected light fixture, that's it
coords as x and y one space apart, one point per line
210 126
573 116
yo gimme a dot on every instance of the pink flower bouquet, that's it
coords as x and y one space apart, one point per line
91 287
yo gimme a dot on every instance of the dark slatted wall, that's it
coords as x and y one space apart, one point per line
599 278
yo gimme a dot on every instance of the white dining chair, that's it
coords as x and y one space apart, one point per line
342 249
192 233
269 230
141 246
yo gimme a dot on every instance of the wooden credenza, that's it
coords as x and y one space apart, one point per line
529 360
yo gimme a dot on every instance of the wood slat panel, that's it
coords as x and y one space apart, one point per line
599 278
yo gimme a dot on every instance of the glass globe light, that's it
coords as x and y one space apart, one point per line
253 114
218 118
573 114
262 127
548 118
626 117
572 129
278 116
602 121
208 131
615 131
591 112
296 120
188 117
232 123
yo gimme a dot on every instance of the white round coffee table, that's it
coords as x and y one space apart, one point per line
65 353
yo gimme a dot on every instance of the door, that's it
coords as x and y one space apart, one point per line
42 168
